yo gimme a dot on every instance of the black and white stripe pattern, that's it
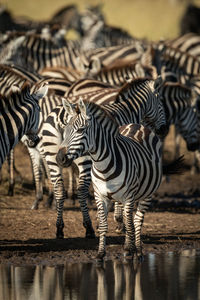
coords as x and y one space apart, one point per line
19 116
134 103
126 167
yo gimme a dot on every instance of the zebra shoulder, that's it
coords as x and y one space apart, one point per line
138 132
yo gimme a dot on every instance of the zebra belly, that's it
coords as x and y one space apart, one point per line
113 189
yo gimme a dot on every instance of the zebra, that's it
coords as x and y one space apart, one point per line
20 116
117 75
15 75
126 166
174 60
189 42
134 103
38 51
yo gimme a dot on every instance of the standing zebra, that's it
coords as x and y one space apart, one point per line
19 116
126 167
135 102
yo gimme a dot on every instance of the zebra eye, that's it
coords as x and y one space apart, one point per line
80 129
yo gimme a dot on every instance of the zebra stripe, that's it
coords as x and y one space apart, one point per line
125 168
19 116
134 102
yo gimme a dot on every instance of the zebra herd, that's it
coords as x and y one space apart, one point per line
105 101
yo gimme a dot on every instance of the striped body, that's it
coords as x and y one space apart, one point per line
134 103
126 166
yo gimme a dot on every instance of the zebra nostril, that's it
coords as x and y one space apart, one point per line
33 143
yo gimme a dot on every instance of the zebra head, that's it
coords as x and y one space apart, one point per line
75 143
154 115
33 95
189 127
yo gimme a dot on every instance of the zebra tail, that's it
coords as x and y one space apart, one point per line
175 167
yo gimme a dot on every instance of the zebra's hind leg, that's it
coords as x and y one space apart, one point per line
143 206
103 227
128 220
60 195
118 217
37 169
138 221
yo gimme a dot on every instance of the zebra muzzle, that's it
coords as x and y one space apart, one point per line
32 142
62 158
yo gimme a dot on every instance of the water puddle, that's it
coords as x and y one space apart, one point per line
164 276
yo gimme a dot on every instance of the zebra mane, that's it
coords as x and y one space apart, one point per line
97 109
132 83
177 50
25 86
11 69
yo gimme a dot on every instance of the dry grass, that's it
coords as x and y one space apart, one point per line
152 19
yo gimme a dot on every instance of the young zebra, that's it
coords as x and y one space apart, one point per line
126 166
135 102
19 116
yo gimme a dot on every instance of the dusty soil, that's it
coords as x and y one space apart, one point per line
28 236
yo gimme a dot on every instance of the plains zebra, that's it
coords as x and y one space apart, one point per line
19 116
118 75
38 51
174 60
126 166
136 102
15 75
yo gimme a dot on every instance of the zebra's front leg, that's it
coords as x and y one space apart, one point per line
36 162
83 196
118 217
60 196
128 220
103 228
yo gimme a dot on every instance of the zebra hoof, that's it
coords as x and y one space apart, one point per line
128 255
59 234
120 229
90 234
140 258
100 256
34 206
99 262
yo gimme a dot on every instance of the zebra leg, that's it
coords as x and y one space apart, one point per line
143 206
60 196
50 198
103 227
83 196
196 163
36 161
138 221
128 220
118 217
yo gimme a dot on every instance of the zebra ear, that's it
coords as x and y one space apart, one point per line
68 107
41 92
82 107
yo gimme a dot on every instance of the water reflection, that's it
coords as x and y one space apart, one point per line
164 276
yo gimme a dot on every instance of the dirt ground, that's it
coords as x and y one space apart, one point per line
28 236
